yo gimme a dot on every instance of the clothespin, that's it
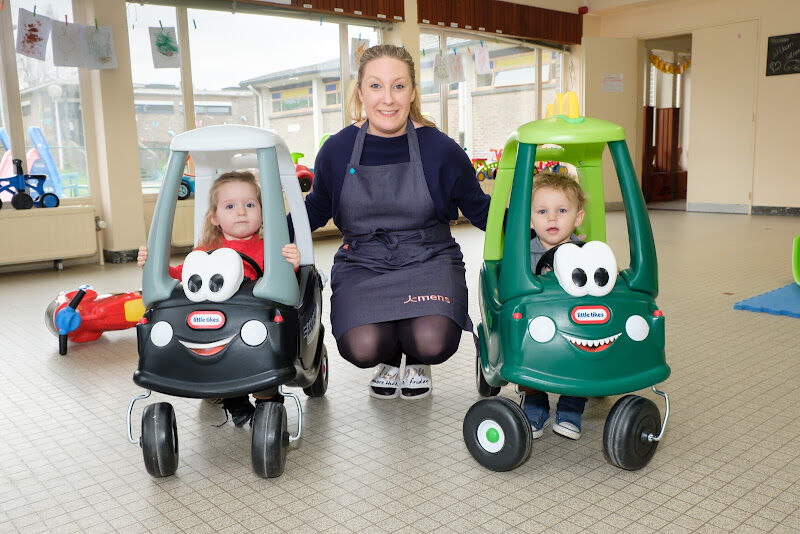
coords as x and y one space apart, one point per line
162 26
34 10
195 23
469 51
320 21
96 27
481 44
65 21
423 51
2 5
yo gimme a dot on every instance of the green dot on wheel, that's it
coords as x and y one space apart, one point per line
493 435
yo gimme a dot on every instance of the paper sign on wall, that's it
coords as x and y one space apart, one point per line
612 82
33 33
164 46
482 63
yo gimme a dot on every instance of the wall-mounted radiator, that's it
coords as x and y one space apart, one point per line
46 234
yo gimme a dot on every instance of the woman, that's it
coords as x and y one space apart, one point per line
392 182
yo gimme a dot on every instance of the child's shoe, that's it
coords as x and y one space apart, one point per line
240 409
568 416
537 409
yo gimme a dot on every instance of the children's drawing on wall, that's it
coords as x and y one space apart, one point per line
99 48
439 70
32 34
68 45
455 67
357 48
164 46
482 63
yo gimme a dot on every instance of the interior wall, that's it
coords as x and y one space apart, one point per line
775 117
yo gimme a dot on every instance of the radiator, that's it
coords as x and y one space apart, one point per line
182 226
46 234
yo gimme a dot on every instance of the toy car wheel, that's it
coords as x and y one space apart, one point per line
270 439
49 200
497 434
305 184
629 422
22 201
320 385
184 190
482 175
159 439
484 389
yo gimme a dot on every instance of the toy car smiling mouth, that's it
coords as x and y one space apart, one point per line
207 349
592 345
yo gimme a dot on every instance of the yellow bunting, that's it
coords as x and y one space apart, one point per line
670 68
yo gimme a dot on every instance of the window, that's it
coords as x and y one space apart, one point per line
333 96
431 95
275 74
551 78
156 94
51 110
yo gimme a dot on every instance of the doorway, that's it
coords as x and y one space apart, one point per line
665 131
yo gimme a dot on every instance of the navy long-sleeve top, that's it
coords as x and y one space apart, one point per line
448 172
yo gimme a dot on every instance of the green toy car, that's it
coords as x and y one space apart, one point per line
589 336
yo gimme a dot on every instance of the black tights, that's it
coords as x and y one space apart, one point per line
430 339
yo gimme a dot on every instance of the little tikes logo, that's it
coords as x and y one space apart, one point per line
590 315
206 320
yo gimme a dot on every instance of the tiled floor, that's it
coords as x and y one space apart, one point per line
730 459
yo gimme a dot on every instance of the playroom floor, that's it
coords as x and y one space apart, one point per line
729 461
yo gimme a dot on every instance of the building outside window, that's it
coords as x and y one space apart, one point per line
51 110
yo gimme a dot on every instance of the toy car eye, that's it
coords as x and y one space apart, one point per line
216 283
601 277
579 277
195 283
225 274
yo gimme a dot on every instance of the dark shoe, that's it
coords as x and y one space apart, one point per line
240 409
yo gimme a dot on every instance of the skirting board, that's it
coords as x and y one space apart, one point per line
776 210
710 207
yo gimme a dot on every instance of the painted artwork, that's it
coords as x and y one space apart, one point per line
164 46
32 34
482 63
439 70
455 67
68 45
357 48
99 48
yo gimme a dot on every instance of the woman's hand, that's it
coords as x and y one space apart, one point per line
142 257
292 255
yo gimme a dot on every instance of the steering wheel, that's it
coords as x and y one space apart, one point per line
247 259
546 261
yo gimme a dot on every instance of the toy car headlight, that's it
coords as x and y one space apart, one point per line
215 277
587 270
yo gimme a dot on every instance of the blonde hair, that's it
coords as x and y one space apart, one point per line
355 108
562 183
211 236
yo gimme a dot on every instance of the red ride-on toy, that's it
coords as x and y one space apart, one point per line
304 175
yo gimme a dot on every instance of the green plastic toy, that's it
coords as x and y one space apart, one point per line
549 333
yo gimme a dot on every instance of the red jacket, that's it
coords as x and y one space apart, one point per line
253 247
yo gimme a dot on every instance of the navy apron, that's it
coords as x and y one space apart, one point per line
397 261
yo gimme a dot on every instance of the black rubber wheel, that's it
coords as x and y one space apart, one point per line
159 439
305 184
484 389
49 200
628 423
22 201
497 434
320 385
270 439
183 190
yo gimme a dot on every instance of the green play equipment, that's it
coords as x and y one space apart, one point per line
580 329
796 260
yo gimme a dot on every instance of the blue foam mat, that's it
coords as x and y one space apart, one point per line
781 301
